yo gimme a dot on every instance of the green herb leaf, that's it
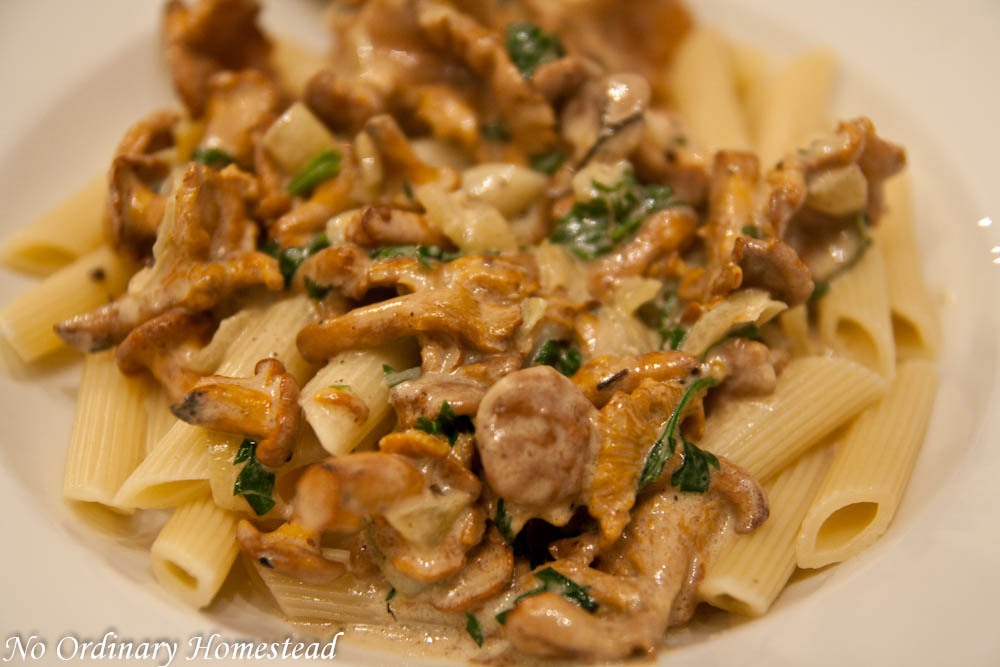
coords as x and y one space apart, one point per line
212 157
389 596
340 387
494 131
447 423
593 228
693 475
555 582
548 163
751 231
472 627
387 369
568 588
674 336
322 167
423 253
315 290
660 453
290 259
529 46
563 355
502 521
255 482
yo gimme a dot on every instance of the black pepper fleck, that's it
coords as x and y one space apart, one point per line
98 275
265 562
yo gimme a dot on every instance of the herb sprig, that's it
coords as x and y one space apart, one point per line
212 157
555 582
529 46
324 166
666 444
548 163
502 521
472 627
423 253
563 355
594 227
255 482
290 259
447 423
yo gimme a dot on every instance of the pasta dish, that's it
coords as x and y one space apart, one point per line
537 323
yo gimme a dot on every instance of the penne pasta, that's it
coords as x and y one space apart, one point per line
814 396
267 336
108 439
914 315
866 481
703 86
69 231
793 105
89 282
175 471
853 317
346 600
194 551
751 572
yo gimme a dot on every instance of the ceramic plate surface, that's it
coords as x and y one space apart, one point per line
74 75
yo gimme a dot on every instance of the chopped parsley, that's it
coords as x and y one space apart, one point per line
673 336
447 423
563 355
659 453
472 627
752 231
324 166
388 597
423 253
502 521
495 131
593 228
315 290
290 259
529 46
340 387
693 475
548 163
555 582
862 224
212 157
255 482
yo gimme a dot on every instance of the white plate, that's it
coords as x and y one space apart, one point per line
74 75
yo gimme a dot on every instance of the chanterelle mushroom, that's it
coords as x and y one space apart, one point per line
205 251
414 496
263 406
135 203
208 37
161 344
471 300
